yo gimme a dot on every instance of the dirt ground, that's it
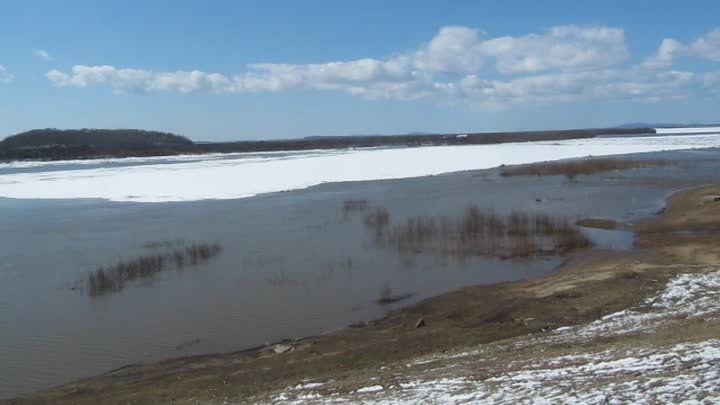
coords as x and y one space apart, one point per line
590 285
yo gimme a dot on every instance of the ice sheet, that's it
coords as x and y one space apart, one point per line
245 175
689 130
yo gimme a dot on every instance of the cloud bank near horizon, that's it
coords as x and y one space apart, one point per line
561 64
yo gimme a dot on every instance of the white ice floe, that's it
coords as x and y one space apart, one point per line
245 175
678 373
688 130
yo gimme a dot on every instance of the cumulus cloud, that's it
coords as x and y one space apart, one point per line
5 76
452 50
259 77
137 80
565 48
43 54
668 51
463 50
706 46
580 86
563 63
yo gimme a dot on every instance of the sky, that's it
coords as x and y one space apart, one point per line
230 70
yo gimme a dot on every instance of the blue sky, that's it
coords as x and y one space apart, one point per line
220 70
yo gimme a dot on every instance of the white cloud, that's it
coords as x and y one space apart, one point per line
706 46
5 76
567 47
668 51
564 63
259 77
41 53
454 49
608 84
570 47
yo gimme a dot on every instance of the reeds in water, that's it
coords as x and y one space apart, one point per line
350 206
377 221
479 232
113 278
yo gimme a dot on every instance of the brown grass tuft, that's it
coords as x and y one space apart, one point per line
580 167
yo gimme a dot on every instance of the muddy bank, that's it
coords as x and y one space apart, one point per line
590 285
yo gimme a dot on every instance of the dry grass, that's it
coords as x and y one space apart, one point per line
598 223
113 278
479 232
581 167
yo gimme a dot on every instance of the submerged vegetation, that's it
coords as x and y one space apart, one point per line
483 233
106 279
350 206
573 169
378 219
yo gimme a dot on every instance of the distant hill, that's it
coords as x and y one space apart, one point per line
53 143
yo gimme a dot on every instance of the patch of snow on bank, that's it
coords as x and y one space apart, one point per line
687 372
246 175
686 296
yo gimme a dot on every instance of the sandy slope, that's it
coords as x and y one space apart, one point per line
666 350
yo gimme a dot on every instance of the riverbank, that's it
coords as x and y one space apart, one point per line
588 286
662 349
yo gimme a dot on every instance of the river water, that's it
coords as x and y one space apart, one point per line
294 263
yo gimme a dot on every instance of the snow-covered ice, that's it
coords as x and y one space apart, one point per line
187 178
689 130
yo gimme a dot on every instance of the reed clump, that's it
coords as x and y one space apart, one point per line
354 205
378 219
113 278
486 233
573 169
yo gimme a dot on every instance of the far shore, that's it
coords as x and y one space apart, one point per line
55 144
